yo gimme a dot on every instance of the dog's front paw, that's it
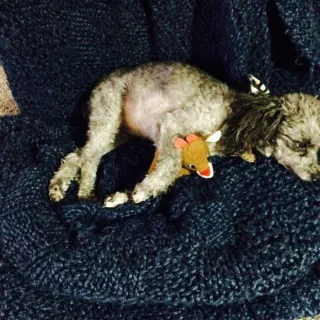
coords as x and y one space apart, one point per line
57 190
140 195
86 194
115 200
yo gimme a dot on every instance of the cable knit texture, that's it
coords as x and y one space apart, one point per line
244 245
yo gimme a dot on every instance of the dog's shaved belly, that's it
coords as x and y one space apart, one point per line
144 118
152 93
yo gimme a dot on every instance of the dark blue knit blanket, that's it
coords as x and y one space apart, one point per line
244 245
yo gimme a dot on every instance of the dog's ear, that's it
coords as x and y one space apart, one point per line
253 122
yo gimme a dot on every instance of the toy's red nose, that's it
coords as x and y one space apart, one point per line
206 172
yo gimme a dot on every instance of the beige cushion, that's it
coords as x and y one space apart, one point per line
8 105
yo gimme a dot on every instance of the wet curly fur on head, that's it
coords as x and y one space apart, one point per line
286 128
253 122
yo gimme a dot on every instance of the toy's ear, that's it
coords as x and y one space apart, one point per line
191 137
180 143
215 137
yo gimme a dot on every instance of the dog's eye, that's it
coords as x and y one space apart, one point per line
192 166
301 145
208 157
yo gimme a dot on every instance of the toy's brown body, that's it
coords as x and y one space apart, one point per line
194 155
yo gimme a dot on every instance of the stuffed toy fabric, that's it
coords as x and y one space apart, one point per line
194 155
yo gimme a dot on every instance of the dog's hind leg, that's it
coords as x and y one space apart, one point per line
104 122
67 172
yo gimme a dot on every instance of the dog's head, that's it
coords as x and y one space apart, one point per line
286 128
297 142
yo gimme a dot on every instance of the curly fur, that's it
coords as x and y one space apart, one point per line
162 101
297 142
286 128
253 122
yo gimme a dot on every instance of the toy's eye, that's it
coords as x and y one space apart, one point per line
301 145
192 166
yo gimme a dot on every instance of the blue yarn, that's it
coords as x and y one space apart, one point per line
244 245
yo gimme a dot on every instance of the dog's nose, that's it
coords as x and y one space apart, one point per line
315 177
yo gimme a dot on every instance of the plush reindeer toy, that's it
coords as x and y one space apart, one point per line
194 155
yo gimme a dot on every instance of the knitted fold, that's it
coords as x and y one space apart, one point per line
193 246
243 245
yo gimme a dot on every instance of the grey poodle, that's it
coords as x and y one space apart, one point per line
162 101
